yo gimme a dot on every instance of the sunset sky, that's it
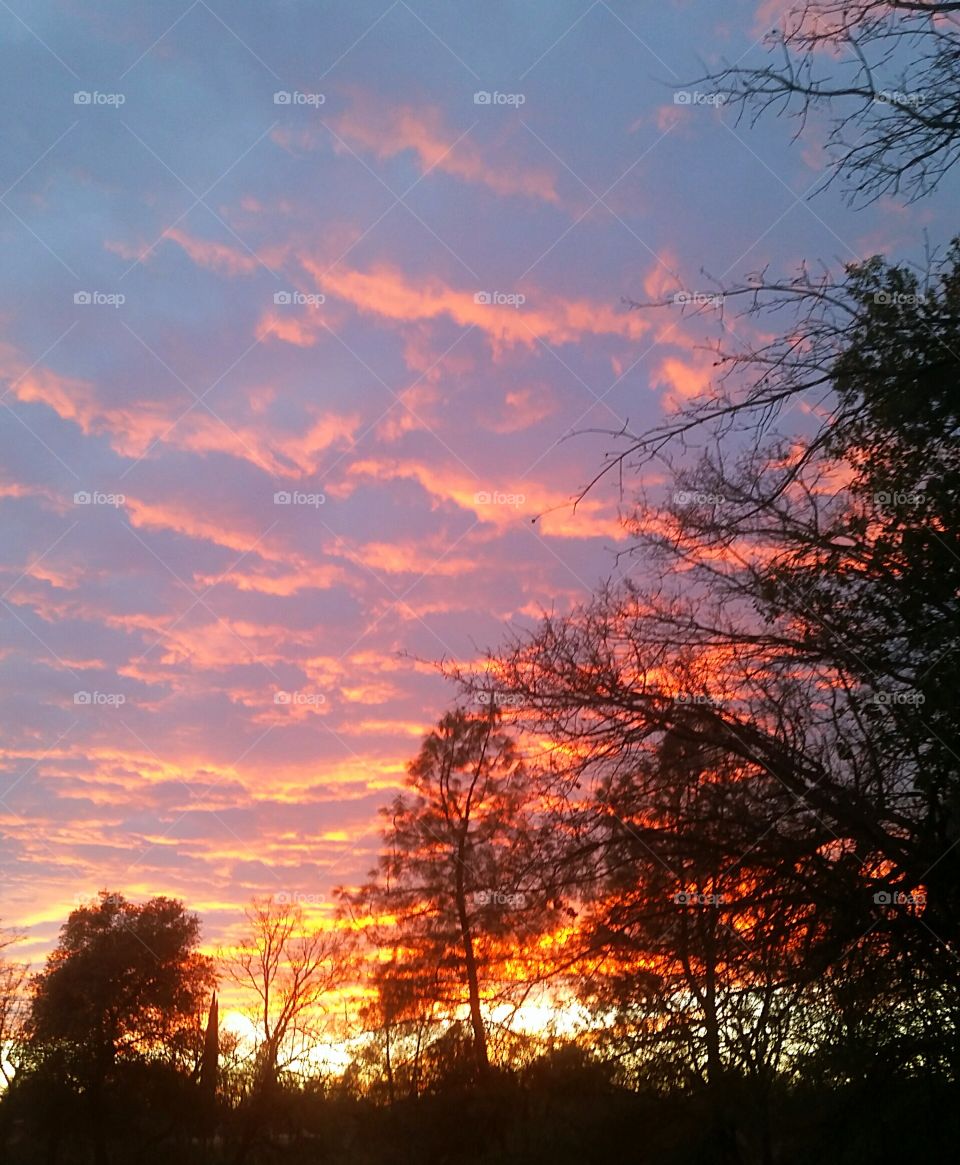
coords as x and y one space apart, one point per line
319 266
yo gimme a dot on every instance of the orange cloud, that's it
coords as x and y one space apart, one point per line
406 558
502 505
215 256
385 129
134 428
523 407
298 329
683 379
387 292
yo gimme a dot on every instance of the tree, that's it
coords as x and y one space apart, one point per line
888 71
401 1020
465 869
210 1061
13 1010
13 979
124 987
769 701
287 969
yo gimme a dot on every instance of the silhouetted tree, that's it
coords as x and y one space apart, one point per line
124 987
210 1064
766 709
465 870
287 968
887 72
13 1002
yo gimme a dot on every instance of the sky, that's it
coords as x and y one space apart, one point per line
308 310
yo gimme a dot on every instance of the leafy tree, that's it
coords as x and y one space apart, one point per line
465 872
123 989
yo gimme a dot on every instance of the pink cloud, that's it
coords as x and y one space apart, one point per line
219 257
388 292
684 379
386 129
501 504
134 428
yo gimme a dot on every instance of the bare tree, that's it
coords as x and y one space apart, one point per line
13 1003
287 969
887 72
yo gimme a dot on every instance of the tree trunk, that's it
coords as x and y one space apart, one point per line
470 962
